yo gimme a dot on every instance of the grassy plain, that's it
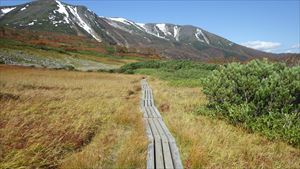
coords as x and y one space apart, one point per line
66 119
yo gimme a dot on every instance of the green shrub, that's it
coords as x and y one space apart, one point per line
260 95
129 71
177 72
171 65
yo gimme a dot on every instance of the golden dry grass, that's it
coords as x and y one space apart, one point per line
61 119
211 143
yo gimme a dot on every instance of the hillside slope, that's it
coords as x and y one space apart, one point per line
167 40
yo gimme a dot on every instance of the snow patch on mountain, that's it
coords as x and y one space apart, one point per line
22 9
163 27
122 20
158 35
198 33
62 10
51 17
6 10
83 24
114 21
139 27
142 25
56 22
116 25
149 31
176 32
31 23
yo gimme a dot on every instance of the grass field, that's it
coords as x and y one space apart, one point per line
65 119
206 142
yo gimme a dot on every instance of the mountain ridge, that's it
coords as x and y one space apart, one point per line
166 39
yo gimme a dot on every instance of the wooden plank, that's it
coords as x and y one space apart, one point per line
152 102
153 112
160 130
148 112
159 139
157 112
166 130
152 99
144 112
150 156
148 130
151 115
150 94
153 129
175 156
159 163
167 156
145 90
147 94
159 158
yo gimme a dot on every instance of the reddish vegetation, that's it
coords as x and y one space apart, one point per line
164 107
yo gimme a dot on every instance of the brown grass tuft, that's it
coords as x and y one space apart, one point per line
164 107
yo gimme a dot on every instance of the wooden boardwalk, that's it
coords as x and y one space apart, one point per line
162 150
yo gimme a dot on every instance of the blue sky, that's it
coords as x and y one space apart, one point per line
272 25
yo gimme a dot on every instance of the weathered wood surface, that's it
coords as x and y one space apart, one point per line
162 150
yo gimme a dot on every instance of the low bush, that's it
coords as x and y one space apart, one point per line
177 72
260 95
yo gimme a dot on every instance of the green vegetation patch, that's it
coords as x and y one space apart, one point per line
177 72
261 96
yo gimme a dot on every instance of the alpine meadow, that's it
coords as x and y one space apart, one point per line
82 88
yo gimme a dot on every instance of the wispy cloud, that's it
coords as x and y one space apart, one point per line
262 45
296 46
294 49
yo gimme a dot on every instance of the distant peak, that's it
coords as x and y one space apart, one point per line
45 1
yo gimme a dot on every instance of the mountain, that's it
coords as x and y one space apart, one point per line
167 40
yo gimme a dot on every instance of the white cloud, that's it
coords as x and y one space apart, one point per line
262 45
293 49
296 46
288 51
